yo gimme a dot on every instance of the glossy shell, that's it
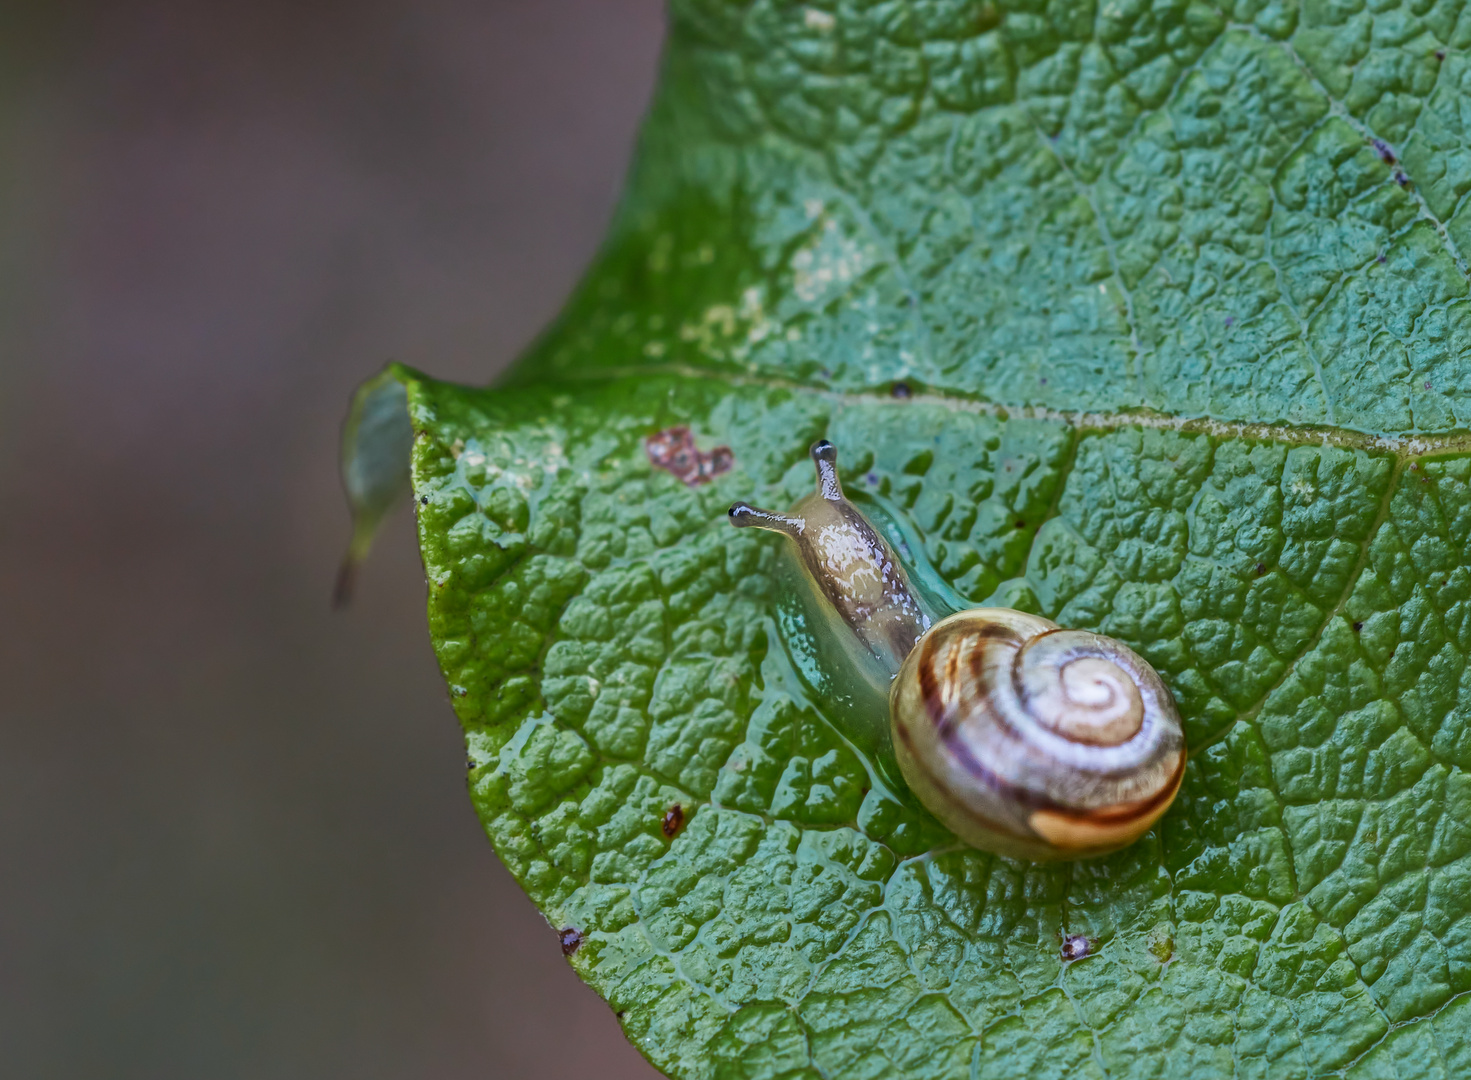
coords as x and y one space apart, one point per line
1033 741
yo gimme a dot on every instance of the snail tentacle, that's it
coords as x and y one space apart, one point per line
744 514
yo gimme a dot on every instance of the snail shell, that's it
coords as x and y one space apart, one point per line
1033 741
1023 738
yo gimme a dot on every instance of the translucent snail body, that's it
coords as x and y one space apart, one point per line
1023 738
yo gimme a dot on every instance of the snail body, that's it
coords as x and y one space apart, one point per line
1023 738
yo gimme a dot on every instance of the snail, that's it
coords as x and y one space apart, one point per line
1023 738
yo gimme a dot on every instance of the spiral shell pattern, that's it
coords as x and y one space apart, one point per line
1033 741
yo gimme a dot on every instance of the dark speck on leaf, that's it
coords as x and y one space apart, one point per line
1261 568
1401 179
1044 382
1440 54
1075 947
1386 154
1381 258
871 479
570 940
1358 626
673 820
1021 524
1427 386
901 390
423 500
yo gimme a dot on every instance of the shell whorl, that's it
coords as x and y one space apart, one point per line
1035 741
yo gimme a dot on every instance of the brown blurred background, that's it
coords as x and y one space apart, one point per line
234 835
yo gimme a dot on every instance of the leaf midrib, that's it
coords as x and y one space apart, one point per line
1408 447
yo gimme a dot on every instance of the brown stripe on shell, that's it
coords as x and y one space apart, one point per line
976 769
929 686
928 691
1036 801
954 656
1129 810
996 631
984 681
1104 830
929 680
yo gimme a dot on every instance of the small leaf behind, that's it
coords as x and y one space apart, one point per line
377 439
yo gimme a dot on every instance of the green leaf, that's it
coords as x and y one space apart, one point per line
1151 317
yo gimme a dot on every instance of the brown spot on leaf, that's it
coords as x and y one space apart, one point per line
901 390
1075 946
1261 568
674 451
1386 154
673 820
570 940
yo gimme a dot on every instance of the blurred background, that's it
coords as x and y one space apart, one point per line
234 834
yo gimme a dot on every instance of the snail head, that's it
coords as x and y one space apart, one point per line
853 568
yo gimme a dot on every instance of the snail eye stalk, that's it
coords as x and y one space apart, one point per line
744 515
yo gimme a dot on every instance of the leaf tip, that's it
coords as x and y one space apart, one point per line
346 582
